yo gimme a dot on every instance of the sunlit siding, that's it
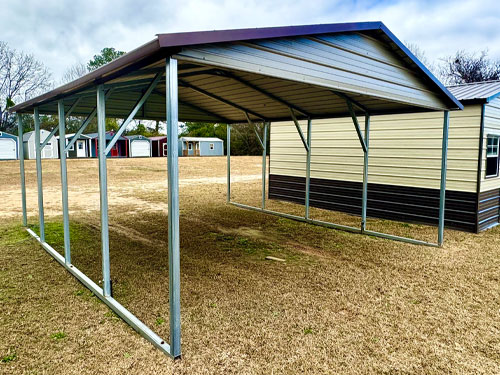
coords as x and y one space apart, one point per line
352 62
491 126
404 150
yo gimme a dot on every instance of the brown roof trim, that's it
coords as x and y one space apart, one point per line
98 76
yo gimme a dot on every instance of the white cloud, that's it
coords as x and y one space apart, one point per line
61 33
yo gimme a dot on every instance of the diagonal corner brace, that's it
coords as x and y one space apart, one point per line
299 130
133 112
356 125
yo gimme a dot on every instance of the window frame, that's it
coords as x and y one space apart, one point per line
495 156
211 146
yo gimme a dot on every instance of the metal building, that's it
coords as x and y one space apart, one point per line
405 164
119 146
158 146
234 76
8 146
139 146
201 146
77 148
49 148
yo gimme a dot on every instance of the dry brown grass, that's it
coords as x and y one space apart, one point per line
341 303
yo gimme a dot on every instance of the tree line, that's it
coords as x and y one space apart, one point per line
22 77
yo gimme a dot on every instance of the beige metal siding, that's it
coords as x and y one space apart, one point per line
491 126
351 62
404 150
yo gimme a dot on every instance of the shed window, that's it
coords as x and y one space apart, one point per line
211 146
72 148
190 146
492 156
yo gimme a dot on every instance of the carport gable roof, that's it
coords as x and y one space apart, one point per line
216 85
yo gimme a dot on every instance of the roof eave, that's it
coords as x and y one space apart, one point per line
98 76
422 67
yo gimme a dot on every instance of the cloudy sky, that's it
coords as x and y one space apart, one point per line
62 33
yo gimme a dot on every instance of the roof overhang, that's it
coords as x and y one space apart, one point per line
301 78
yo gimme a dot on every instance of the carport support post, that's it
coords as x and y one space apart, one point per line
171 92
442 192
64 179
20 150
308 168
365 174
38 152
264 159
103 189
228 152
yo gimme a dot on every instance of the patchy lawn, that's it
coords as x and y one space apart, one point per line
341 303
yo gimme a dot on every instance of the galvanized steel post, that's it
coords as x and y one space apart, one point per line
364 201
20 150
64 180
308 167
103 189
264 161
228 152
442 191
171 92
38 152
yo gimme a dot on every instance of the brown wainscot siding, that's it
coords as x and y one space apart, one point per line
392 202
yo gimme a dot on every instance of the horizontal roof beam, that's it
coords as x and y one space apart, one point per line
349 99
196 108
220 99
262 91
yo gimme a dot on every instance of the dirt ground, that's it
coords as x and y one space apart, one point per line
341 303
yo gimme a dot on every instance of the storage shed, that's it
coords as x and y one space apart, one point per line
8 146
139 146
201 146
50 149
158 146
405 163
119 149
267 75
78 148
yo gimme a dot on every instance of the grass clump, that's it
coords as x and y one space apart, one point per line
58 335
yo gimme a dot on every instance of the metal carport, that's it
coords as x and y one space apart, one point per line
235 76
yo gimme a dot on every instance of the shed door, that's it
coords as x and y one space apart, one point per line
80 149
7 148
140 148
48 151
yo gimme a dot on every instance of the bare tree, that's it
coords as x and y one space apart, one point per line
21 78
468 67
74 72
421 55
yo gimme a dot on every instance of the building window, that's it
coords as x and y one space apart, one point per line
72 148
190 146
211 146
80 145
492 156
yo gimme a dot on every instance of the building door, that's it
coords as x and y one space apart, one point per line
8 148
80 149
114 150
140 148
